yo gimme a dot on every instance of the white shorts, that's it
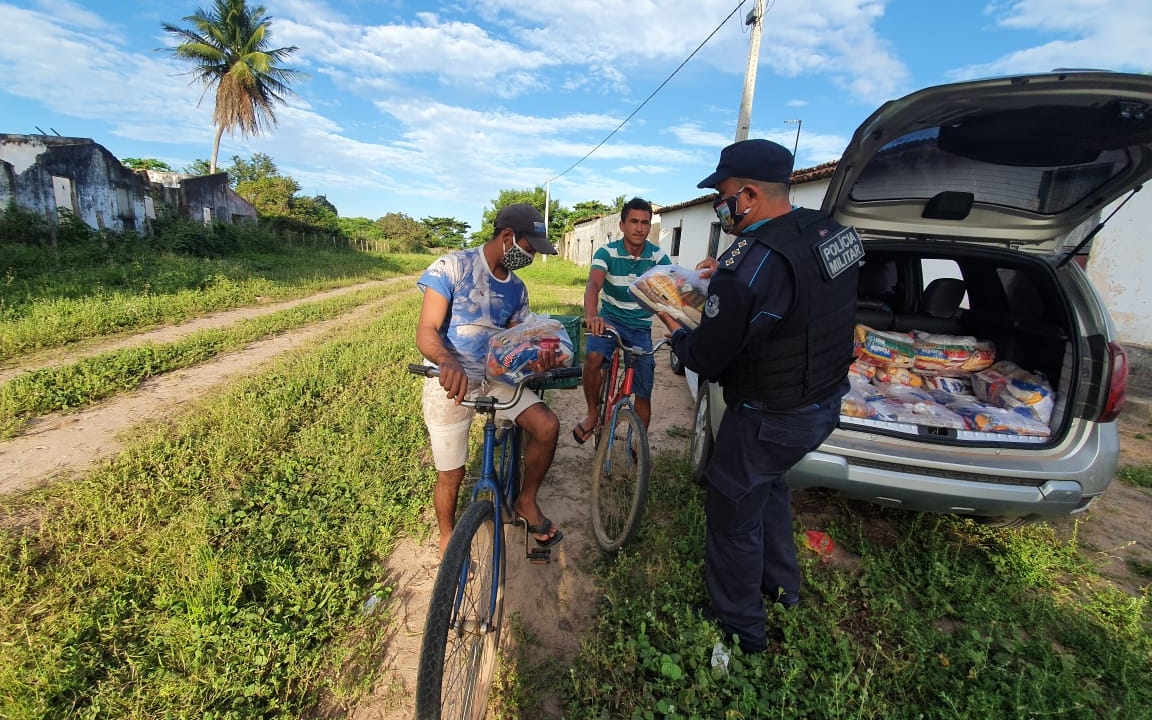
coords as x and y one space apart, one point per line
449 423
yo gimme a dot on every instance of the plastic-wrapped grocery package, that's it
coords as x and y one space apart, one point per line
885 348
1008 385
511 352
988 418
673 289
951 354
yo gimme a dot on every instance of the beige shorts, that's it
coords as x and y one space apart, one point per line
449 423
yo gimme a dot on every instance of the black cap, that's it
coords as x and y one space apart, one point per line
752 160
526 220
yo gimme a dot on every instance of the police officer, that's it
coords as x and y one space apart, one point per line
776 332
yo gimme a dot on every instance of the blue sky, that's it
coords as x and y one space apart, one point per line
430 109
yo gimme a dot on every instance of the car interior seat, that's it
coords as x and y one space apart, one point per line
874 294
939 308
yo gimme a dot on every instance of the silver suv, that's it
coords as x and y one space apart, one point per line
975 201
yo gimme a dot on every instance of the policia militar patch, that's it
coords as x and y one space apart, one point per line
839 252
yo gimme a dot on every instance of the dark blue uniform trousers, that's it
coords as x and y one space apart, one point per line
750 550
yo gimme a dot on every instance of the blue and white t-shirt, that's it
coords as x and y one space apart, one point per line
480 305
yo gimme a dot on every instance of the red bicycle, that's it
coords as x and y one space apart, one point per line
620 476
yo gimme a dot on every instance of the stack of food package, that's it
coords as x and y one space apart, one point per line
944 381
512 352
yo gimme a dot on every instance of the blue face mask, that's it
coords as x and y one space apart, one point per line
725 209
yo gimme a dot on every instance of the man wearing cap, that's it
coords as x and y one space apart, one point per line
470 295
777 334
607 300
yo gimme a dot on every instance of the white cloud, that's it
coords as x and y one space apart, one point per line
1103 34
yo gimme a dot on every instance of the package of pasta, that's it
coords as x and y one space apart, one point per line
512 352
673 289
885 348
1007 385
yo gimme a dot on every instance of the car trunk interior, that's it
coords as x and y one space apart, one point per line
1009 298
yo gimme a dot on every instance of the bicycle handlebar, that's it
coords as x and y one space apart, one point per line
485 403
634 350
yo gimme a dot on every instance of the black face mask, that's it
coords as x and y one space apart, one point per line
516 257
725 209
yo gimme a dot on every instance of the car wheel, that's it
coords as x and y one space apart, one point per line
701 450
674 361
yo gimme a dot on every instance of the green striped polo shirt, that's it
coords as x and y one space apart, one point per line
620 271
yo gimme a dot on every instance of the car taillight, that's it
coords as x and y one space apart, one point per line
1117 382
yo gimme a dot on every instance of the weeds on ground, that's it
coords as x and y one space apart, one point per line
53 299
79 384
220 568
939 618
1136 475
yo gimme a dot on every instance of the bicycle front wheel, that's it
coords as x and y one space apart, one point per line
620 481
462 631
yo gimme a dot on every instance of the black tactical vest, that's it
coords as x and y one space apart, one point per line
807 357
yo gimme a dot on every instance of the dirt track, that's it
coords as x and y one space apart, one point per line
555 602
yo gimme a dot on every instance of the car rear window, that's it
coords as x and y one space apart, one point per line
914 166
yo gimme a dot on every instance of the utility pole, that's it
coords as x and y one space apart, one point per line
754 18
547 203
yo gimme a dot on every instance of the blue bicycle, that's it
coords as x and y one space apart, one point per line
462 631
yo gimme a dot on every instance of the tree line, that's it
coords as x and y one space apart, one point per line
281 208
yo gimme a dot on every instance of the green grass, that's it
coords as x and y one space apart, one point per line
942 619
48 306
1136 475
219 568
77 385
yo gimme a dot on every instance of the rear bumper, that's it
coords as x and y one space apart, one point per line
986 482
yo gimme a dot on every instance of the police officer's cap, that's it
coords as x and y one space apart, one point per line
761 160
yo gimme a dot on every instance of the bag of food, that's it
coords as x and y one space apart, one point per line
884 348
511 352
673 289
953 385
1007 385
951 353
897 376
987 418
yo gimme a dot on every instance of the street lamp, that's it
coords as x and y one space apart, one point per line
796 144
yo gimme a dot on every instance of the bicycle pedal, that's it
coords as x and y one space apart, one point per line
540 556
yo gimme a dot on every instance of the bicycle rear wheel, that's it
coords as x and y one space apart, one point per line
620 481
462 631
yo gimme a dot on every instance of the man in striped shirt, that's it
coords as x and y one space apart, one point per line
607 302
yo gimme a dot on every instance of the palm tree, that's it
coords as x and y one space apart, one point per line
228 45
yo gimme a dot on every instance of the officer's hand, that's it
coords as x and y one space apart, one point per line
454 380
595 324
669 322
706 267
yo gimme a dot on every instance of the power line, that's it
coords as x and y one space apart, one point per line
658 89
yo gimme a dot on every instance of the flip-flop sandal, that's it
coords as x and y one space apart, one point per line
581 434
543 528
